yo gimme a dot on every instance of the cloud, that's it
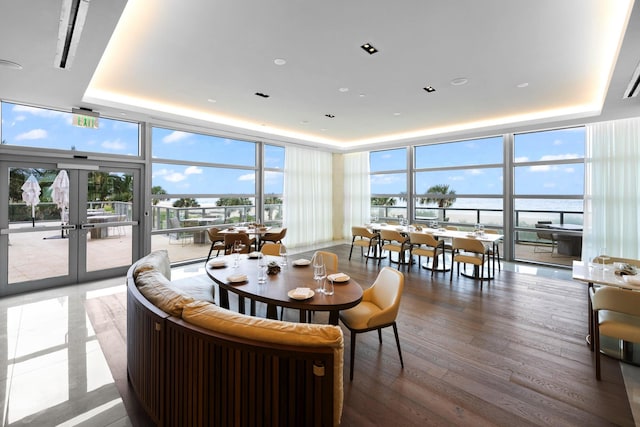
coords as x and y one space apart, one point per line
384 179
175 136
550 157
116 145
475 172
32 134
193 170
540 168
521 159
174 177
247 177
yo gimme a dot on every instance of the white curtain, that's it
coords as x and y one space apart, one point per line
307 204
357 191
612 180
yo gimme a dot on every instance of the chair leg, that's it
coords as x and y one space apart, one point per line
353 352
351 250
395 332
595 338
380 335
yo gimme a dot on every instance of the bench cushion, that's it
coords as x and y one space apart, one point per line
158 260
158 290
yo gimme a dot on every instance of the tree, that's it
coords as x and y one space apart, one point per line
156 189
269 203
186 203
436 194
383 201
233 201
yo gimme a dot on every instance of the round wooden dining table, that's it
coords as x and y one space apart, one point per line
275 292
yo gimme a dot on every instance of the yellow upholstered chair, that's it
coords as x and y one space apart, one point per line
217 241
271 249
364 238
469 251
616 314
378 309
394 241
330 260
424 244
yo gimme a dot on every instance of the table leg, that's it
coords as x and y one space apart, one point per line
334 316
303 316
224 298
590 310
272 311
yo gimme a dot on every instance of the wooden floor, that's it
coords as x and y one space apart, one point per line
513 354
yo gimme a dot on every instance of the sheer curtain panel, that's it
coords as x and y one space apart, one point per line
357 191
612 179
307 204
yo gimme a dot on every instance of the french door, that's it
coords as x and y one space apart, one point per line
67 223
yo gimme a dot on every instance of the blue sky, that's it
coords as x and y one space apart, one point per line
40 128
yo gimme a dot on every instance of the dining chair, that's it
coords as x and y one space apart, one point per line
616 314
469 251
494 250
425 244
364 238
330 260
545 236
217 241
180 236
394 241
271 249
377 310
230 238
274 236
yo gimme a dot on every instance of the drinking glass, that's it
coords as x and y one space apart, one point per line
237 247
283 256
603 258
262 268
318 265
328 288
319 273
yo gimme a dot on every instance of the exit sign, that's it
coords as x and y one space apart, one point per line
82 121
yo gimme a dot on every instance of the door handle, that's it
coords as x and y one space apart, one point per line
69 227
87 226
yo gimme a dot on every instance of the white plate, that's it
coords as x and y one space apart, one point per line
632 280
301 261
217 263
237 278
294 295
338 277
255 254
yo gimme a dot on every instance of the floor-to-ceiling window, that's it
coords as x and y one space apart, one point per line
389 193
548 190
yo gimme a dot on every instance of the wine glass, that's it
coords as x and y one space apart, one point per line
237 247
318 265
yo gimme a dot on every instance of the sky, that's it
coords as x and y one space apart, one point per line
235 161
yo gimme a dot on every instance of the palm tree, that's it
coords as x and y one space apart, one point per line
156 189
383 201
436 194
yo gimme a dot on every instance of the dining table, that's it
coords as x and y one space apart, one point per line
491 239
258 232
279 290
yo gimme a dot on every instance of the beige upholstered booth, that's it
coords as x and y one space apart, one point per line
377 310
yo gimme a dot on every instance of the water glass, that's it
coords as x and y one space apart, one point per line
603 258
283 256
319 273
328 287
262 269
237 247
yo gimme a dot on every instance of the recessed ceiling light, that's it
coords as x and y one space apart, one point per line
368 47
343 89
459 81
362 95
429 89
331 116
263 95
279 61
396 114
521 85
211 100
10 64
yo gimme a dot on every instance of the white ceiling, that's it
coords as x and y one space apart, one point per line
167 60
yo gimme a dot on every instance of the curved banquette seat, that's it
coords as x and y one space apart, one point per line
191 362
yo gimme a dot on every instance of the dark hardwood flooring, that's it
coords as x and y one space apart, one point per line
512 354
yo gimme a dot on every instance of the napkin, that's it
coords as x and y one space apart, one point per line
237 278
300 292
217 263
338 277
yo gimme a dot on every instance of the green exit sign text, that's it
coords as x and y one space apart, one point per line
82 121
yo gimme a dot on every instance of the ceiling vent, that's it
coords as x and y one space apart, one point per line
72 16
633 89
